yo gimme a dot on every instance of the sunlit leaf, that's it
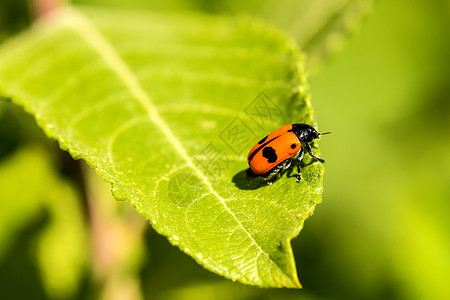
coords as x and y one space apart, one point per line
320 27
165 107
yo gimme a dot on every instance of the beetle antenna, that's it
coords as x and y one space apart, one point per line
322 133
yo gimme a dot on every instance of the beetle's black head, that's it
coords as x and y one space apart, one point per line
306 133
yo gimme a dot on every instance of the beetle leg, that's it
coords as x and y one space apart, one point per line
299 173
286 165
308 148
272 176
278 171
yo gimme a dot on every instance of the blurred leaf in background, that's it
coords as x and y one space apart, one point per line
382 230
320 27
14 16
41 220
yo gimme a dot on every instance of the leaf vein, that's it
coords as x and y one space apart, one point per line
87 31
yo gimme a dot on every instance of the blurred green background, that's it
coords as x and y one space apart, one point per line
382 231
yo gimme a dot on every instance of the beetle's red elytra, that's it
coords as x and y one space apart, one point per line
274 153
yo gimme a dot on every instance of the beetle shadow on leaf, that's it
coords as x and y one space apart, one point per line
292 171
244 182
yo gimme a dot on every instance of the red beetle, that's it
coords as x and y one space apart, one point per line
273 154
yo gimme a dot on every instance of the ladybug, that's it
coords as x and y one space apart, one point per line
274 153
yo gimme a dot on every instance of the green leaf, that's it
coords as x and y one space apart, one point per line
152 102
60 251
30 187
320 27
19 204
326 25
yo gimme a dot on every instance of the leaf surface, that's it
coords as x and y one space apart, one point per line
165 108
320 27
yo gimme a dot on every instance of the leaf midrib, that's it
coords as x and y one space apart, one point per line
90 33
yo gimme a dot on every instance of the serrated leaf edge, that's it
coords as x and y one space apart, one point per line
76 21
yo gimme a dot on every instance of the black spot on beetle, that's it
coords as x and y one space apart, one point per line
293 146
270 154
263 140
